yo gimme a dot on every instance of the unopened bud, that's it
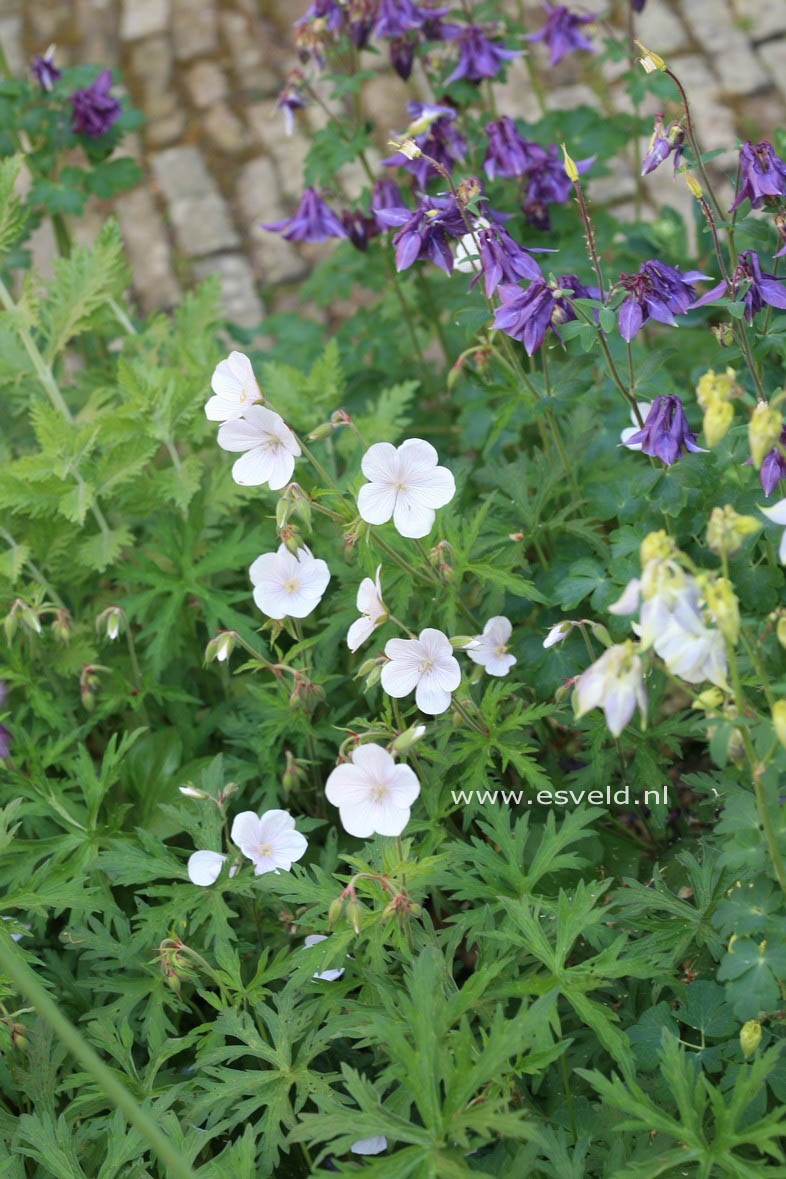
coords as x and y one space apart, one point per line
717 419
722 603
599 632
460 641
709 700
764 431
292 772
319 432
727 529
21 612
649 60
736 747
109 622
291 539
354 914
62 626
712 387
571 171
750 1037
693 185
780 630
190 791
284 509
408 739
724 334
335 910
220 646
779 720
563 690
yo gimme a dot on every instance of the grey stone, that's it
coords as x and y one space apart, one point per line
148 250
660 29
151 64
200 217
143 18
194 28
275 260
206 83
247 40
238 293
225 129
11 39
288 151
738 67
166 119
760 19
774 57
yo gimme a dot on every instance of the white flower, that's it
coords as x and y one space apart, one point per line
628 601
235 388
644 408
288 585
489 649
614 683
404 483
269 840
467 260
372 611
331 974
558 632
777 513
370 1145
426 665
204 867
271 448
690 649
373 793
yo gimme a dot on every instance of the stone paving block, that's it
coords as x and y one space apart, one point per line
660 29
225 129
11 40
194 28
716 33
773 54
275 260
199 214
143 18
149 253
206 83
256 56
759 18
166 119
238 294
151 65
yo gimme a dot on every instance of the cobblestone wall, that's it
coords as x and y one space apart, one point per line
216 161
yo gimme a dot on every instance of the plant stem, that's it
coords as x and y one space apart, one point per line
35 994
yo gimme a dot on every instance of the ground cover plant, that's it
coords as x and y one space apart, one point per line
394 713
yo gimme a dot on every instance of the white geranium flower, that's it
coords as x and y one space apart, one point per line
332 973
373 1145
558 632
288 585
644 408
373 793
270 840
405 483
614 683
425 665
777 513
372 611
490 648
271 448
204 867
235 388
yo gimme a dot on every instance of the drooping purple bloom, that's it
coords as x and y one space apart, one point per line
750 283
424 231
93 109
44 69
773 467
360 227
545 183
397 17
662 144
508 153
562 32
312 221
657 292
386 195
502 259
330 12
666 433
361 15
479 57
528 315
440 141
762 175
638 5
402 55
780 225
290 99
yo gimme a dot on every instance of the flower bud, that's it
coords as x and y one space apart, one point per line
21 612
293 774
291 538
599 632
717 419
571 171
408 739
712 387
724 334
354 914
726 530
649 60
190 791
779 720
228 790
460 641
324 430
335 910
656 546
780 630
709 700
61 625
693 185
284 509
736 747
724 607
750 1037
764 431
407 147
220 646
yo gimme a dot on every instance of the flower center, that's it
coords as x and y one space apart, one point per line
378 791
291 585
426 666
265 849
500 649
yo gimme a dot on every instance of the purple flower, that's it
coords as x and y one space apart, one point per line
440 141
662 144
396 17
657 292
773 467
508 153
361 17
360 228
94 110
479 58
386 195
424 231
289 99
561 32
44 70
756 287
402 55
502 259
638 5
528 315
312 221
762 175
330 12
666 432
545 183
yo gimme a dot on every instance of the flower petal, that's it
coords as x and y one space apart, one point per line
376 502
204 867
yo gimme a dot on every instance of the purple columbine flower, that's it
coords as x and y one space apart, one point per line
330 12
657 292
666 433
386 195
528 315
662 144
638 5
502 259
546 183
441 141
93 109
761 287
360 227
762 175
402 55
508 153
361 15
290 99
312 221
44 69
424 231
773 467
479 57
397 17
561 32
